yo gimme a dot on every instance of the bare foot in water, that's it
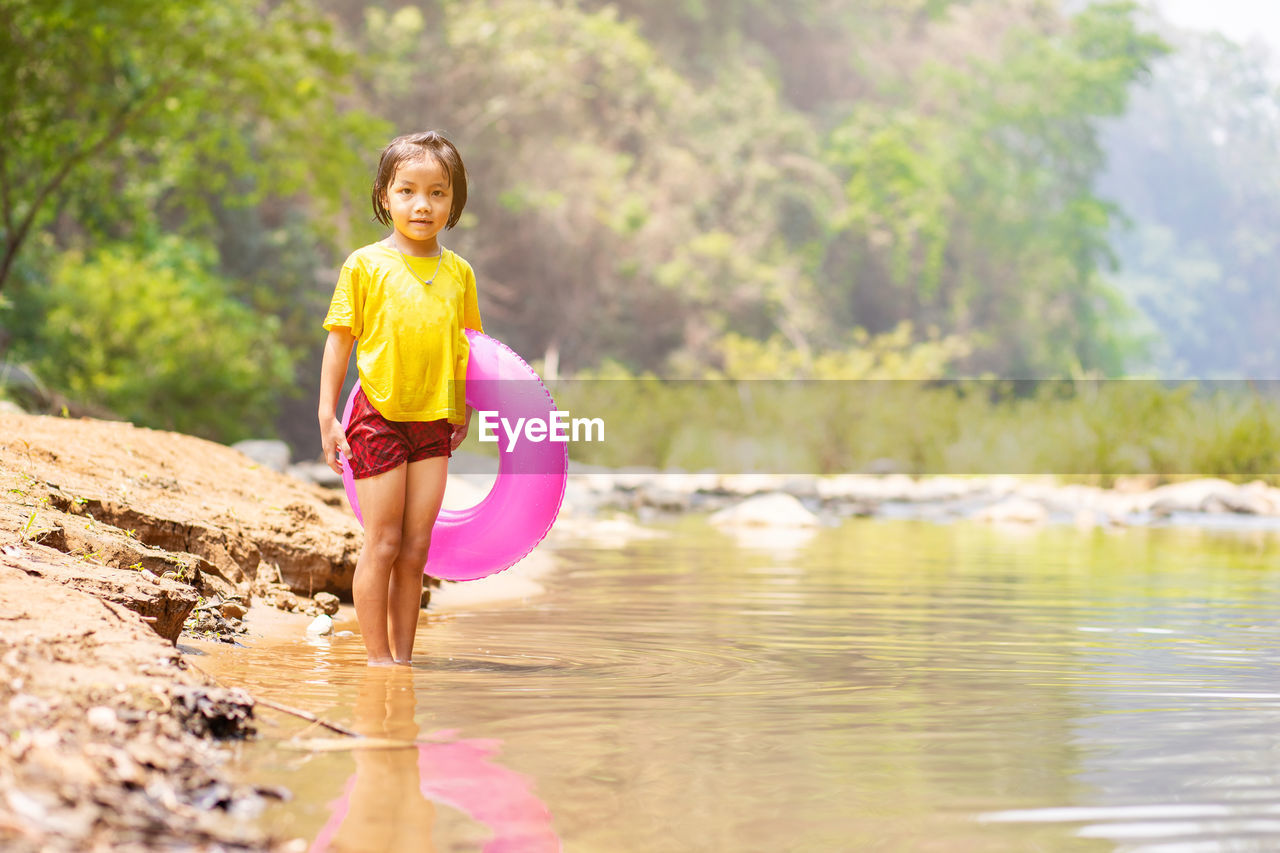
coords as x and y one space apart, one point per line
382 662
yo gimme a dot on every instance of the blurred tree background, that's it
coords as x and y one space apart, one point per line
682 188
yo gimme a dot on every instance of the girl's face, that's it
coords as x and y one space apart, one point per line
419 199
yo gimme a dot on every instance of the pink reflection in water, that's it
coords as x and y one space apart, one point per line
388 804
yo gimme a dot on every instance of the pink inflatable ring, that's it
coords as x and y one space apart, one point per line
513 518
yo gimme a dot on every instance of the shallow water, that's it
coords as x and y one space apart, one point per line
877 686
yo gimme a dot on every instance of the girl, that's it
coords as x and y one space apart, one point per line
407 300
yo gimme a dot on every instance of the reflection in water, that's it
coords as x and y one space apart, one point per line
880 686
388 805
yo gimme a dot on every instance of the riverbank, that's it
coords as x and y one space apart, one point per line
114 541
108 737
788 501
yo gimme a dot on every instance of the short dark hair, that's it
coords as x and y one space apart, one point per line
416 146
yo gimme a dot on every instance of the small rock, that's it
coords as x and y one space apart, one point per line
772 510
327 602
1014 510
149 575
232 610
267 453
24 704
102 718
321 626
1202 495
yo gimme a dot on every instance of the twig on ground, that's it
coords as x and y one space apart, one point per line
308 716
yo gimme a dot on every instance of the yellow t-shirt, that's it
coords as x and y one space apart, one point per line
411 351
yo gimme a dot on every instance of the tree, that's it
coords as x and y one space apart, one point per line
971 207
156 338
619 207
113 112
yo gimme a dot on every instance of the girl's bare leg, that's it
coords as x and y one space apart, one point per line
423 492
382 502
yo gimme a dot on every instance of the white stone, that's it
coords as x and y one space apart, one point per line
772 510
102 718
1204 495
321 626
268 453
944 488
750 484
1015 511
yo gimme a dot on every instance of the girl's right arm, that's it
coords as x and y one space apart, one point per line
337 352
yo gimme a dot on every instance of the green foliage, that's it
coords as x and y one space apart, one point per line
893 355
156 338
637 213
116 113
1099 430
726 187
971 206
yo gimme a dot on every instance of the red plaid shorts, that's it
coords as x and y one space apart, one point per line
378 445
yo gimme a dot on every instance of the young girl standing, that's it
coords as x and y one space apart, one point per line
407 301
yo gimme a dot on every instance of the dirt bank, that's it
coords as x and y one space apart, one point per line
122 497
111 539
105 733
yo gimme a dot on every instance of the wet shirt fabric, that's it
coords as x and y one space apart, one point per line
411 350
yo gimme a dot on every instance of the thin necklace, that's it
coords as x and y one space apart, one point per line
426 281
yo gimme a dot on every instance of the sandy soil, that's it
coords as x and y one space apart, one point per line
107 738
112 538
126 497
